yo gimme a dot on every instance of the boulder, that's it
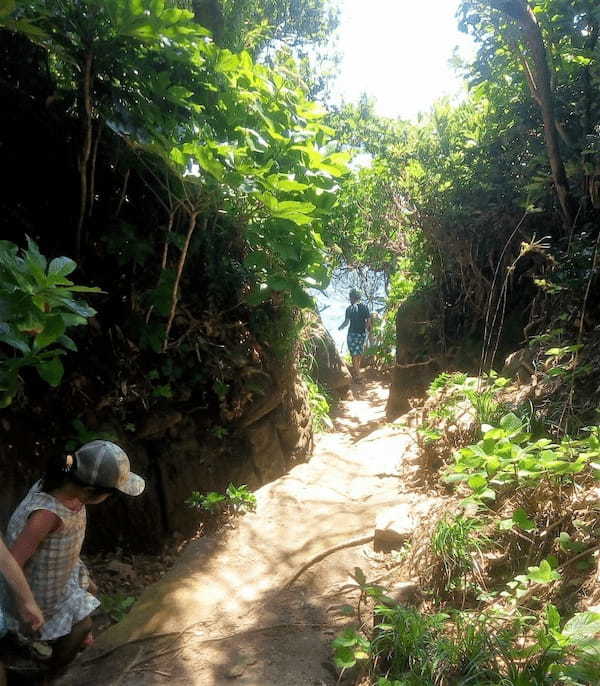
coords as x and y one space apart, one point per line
266 453
520 365
405 593
327 366
394 527
415 327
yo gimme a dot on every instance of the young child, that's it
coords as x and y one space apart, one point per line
30 613
46 532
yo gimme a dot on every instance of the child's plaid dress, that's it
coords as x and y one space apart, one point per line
55 573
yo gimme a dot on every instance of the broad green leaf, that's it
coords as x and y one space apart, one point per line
582 627
284 183
61 266
344 657
544 574
209 163
67 343
521 520
552 617
34 255
347 638
51 371
511 423
78 308
54 328
477 482
73 319
16 340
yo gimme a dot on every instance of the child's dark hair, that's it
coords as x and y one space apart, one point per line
60 471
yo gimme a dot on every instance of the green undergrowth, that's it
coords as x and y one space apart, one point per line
237 500
504 570
502 645
319 403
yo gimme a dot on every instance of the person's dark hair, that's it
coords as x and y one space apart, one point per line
60 471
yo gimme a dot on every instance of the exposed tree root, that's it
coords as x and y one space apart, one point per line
178 634
321 556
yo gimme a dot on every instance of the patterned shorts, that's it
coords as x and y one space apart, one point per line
356 343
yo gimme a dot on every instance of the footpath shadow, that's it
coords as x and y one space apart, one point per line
357 418
228 610
283 636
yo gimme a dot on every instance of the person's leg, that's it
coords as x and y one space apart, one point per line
2 675
65 649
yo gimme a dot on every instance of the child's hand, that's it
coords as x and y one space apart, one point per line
92 588
31 615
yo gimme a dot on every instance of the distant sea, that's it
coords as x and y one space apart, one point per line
332 302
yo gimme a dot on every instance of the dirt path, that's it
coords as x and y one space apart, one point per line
227 610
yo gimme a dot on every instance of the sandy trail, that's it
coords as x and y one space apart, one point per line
225 612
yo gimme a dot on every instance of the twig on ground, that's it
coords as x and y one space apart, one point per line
216 639
166 634
129 667
415 364
578 557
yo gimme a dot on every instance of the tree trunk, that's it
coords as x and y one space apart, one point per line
86 149
539 82
180 266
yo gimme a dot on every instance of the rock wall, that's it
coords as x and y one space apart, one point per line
177 453
326 364
411 374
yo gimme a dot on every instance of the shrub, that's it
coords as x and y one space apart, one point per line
37 307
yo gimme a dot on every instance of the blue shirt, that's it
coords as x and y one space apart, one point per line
358 315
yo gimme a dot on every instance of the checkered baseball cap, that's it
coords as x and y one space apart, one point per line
105 465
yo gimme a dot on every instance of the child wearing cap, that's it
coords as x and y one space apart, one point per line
46 532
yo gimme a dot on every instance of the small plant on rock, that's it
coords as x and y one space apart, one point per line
236 500
116 606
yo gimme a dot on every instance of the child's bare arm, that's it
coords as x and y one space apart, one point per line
39 526
28 608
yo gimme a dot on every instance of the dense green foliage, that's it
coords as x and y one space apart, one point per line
479 621
173 149
195 182
454 205
37 306
499 646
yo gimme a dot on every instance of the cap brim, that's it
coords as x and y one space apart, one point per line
133 486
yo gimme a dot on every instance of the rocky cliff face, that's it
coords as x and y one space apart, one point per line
177 448
326 364
411 374
177 452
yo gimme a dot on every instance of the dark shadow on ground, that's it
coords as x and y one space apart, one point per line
225 613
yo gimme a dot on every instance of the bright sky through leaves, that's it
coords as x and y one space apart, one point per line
398 52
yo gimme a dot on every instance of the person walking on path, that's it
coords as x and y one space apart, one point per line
45 535
359 318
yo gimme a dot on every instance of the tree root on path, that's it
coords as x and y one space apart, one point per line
178 634
139 660
321 556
